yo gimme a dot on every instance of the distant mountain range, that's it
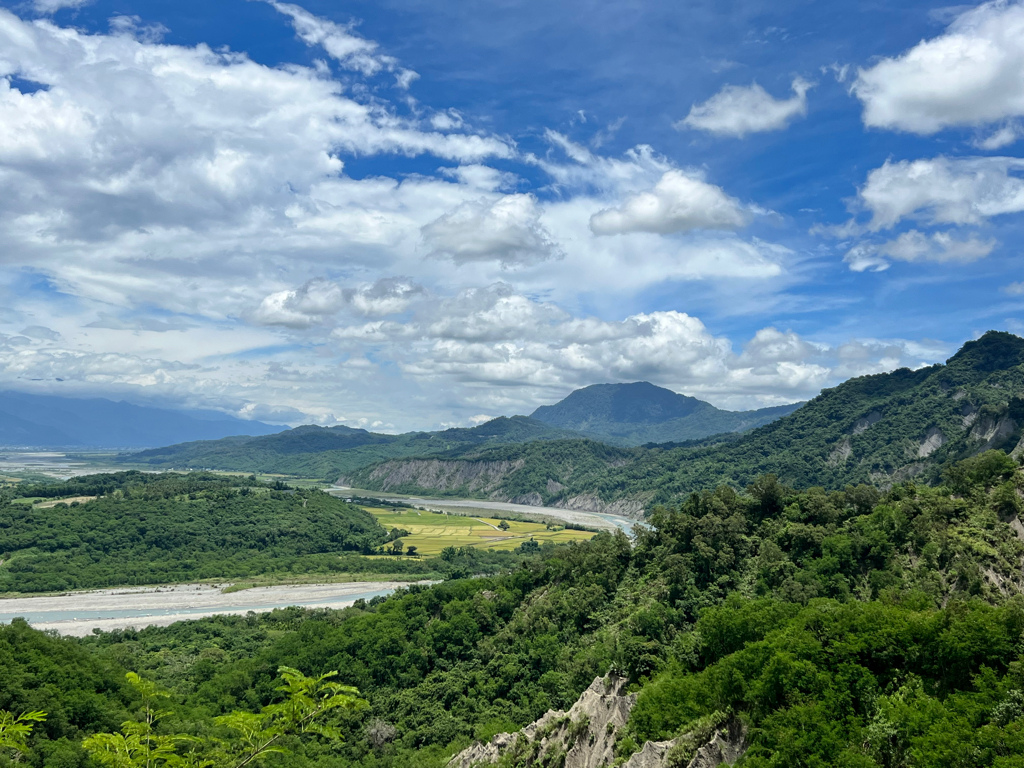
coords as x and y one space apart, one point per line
880 430
48 421
638 413
618 414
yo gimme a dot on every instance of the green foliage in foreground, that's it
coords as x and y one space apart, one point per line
846 628
252 737
856 684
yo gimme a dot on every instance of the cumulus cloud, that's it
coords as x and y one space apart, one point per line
175 136
970 75
679 202
507 230
318 299
738 110
498 338
917 246
190 208
943 190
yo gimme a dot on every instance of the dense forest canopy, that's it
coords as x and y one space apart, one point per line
137 528
849 627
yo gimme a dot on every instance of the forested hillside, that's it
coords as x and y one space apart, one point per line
328 452
879 430
851 627
136 528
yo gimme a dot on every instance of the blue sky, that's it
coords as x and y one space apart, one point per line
403 214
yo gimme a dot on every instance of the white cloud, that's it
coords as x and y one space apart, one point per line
966 77
52 6
319 299
1014 289
738 110
507 230
943 190
917 246
341 43
679 202
133 26
504 342
1001 137
187 219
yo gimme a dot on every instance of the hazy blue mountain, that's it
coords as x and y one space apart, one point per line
638 413
63 422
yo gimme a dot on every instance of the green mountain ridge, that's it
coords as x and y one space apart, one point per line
880 429
327 452
618 414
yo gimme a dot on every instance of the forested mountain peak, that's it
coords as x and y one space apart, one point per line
641 412
637 403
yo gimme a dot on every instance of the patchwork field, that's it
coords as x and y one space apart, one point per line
430 532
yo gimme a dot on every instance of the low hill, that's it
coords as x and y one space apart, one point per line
143 528
327 452
48 421
638 413
879 429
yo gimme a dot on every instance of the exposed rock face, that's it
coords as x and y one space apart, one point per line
629 507
529 499
993 431
862 424
931 443
584 737
472 476
585 734
725 746
840 453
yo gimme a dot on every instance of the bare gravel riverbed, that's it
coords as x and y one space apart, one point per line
78 613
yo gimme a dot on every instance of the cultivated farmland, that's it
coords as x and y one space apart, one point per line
431 532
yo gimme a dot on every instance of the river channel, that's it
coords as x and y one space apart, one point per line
78 613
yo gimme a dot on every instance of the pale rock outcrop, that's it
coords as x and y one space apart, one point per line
931 443
993 431
840 453
585 737
586 733
724 747
587 502
862 424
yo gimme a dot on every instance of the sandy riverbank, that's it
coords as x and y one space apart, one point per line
78 613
